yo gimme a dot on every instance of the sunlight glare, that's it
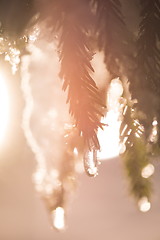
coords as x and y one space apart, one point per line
109 136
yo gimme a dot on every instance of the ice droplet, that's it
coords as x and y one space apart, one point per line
90 162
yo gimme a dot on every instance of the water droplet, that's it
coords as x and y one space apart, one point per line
90 162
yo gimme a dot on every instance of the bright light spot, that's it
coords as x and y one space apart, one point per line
144 205
125 110
116 89
58 218
39 176
137 135
129 132
122 148
124 129
93 171
109 136
7 58
4 107
13 56
34 35
136 122
154 123
154 133
75 151
147 171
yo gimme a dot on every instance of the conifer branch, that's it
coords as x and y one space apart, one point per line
75 56
147 72
111 33
136 159
136 154
148 57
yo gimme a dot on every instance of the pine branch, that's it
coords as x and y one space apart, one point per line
145 77
72 20
111 33
148 50
136 153
135 160
147 72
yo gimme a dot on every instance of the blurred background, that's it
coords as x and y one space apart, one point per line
101 207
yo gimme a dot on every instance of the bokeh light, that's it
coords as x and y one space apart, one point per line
147 171
58 218
144 204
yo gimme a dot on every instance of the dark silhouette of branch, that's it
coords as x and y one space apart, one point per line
111 32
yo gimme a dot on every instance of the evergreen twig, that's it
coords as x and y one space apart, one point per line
75 56
135 155
111 32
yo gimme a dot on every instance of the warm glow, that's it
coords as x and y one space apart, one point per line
4 107
147 171
155 122
34 34
58 218
75 151
144 205
154 133
109 137
13 57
